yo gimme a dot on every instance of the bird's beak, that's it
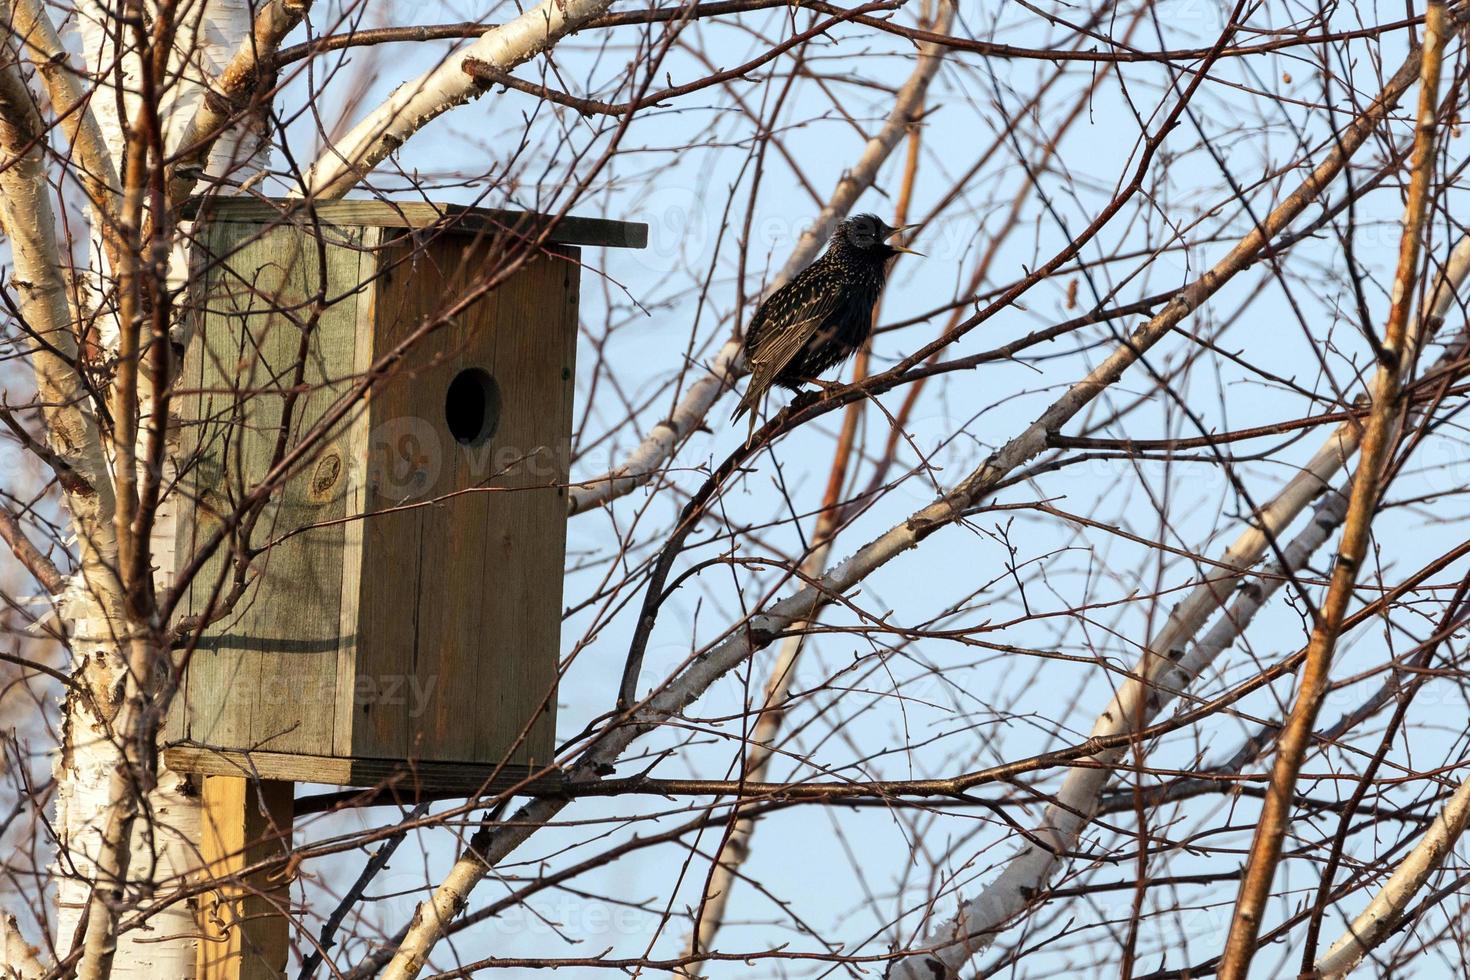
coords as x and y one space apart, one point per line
902 249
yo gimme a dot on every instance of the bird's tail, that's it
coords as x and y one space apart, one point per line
748 403
745 405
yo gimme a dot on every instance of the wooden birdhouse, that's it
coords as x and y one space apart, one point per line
399 613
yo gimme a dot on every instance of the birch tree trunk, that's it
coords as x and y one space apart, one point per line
164 845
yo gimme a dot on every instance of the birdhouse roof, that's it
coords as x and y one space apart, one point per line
568 230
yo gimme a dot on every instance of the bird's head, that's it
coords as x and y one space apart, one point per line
868 236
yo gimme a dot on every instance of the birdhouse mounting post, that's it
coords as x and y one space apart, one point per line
244 922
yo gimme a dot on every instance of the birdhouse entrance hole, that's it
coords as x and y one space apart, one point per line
472 406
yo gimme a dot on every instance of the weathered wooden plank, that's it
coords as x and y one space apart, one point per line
445 711
209 427
358 440
188 407
280 642
297 618
429 776
570 230
525 531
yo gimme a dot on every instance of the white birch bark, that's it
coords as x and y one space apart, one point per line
1376 922
198 138
209 36
38 37
17 957
162 848
416 103
92 605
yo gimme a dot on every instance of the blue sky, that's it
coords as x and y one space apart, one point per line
934 707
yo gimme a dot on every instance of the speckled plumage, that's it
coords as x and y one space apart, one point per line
823 315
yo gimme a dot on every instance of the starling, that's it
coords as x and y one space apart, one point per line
823 315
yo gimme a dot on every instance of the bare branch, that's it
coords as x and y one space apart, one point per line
1377 441
43 568
415 103
973 929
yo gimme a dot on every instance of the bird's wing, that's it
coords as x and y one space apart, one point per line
792 328
772 355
